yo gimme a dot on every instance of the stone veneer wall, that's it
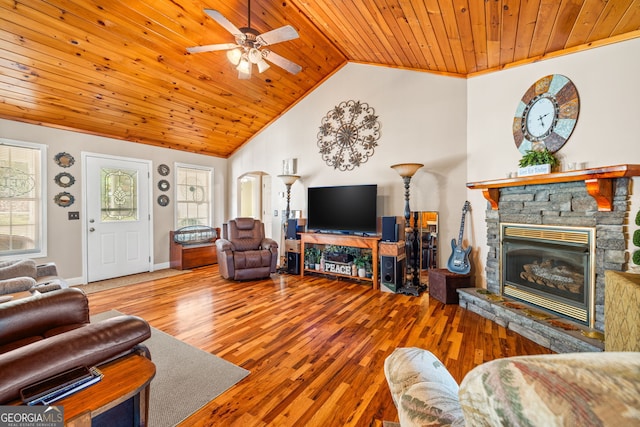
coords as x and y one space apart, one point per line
564 204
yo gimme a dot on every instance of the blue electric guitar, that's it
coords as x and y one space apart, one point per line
459 259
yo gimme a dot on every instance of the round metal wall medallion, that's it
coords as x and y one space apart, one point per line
64 199
163 185
348 135
163 200
163 170
64 160
64 179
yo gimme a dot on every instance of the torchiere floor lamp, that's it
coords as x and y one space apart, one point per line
288 182
406 171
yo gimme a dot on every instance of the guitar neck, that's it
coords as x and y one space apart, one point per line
461 230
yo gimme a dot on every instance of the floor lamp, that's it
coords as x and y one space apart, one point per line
406 171
288 180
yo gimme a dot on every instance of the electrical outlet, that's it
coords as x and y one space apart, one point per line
275 212
74 215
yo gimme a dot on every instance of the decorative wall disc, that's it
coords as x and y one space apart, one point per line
64 160
163 200
163 170
348 135
64 199
163 185
64 179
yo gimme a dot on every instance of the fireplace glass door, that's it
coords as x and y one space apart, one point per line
550 268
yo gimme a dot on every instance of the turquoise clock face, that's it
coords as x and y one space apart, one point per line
546 115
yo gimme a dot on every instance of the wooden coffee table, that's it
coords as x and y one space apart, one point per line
125 378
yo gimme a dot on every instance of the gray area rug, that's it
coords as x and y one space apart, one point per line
132 279
187 378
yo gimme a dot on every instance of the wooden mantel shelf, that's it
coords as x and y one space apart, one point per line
599 183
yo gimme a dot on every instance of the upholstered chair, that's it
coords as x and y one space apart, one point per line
244 253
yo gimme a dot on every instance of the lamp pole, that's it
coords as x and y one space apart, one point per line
406 171
288 182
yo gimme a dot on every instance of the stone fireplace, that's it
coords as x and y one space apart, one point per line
550 238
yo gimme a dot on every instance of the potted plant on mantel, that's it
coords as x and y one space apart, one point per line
537 161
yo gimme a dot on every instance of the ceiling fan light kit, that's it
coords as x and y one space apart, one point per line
247 51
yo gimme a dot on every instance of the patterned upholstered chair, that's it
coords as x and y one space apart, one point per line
549 390
244 253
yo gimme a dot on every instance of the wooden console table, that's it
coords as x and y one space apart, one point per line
125 378
343 240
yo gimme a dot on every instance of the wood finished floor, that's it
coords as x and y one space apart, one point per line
315 347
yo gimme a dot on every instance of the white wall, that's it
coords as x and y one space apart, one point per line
606 132
65 236
422 120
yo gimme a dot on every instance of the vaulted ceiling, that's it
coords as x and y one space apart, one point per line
119 68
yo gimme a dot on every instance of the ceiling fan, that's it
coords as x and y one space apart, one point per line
248 48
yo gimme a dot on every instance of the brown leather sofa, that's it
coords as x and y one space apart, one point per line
46 334
244 253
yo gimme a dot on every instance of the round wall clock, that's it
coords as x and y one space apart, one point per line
546 114
348 135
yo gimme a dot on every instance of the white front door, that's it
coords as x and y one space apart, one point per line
117 221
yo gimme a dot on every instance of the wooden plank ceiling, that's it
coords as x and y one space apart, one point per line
119 68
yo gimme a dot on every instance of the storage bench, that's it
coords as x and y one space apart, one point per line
193 246
443 285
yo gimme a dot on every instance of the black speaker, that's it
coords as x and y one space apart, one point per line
293 263
392 272
292 225
389 229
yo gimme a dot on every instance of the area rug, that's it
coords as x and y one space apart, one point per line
187 378
132 279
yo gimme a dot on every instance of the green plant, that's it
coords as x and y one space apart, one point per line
636 257
638 218
538 157
636 237
312 255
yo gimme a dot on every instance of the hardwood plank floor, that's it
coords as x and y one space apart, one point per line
315 347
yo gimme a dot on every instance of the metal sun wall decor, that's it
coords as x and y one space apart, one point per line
348 135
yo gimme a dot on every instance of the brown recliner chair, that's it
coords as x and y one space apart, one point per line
244 253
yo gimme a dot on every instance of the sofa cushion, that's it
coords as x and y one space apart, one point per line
422 389
577 389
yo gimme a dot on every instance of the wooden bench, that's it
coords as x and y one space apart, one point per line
193 246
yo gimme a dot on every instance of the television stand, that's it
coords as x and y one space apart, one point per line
343 240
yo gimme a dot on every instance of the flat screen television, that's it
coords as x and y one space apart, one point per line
343 209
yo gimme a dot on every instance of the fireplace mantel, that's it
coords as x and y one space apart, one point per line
598 181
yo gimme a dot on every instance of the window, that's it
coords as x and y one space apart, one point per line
193 195
23 170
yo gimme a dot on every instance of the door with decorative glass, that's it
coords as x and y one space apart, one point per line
118 221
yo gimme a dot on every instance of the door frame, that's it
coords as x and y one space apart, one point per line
83 210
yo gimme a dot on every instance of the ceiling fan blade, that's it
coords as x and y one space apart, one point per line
217 16
278 35
281 62
212 47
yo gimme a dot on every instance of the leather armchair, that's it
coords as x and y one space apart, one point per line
244 253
